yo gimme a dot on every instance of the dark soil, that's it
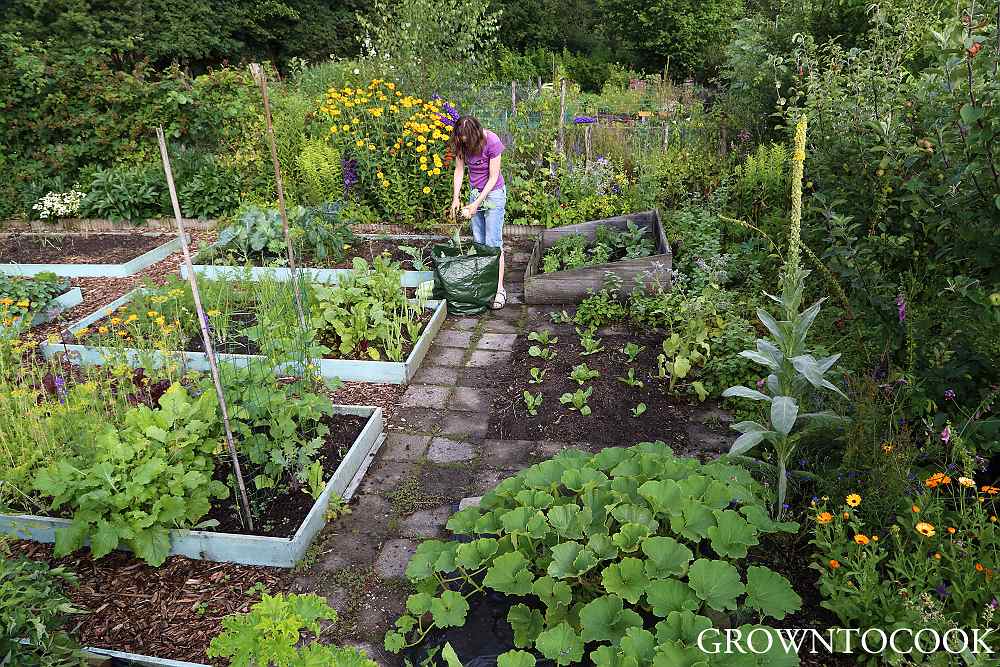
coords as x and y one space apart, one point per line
611 422
172 611
76 248
280 514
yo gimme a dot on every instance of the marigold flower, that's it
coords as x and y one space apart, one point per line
824 517
925 529
834 563
861 539
853 500
991 490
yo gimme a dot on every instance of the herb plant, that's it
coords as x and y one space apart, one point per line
629 553
271 635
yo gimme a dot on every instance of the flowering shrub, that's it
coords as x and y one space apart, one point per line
936 567
59 204
396 144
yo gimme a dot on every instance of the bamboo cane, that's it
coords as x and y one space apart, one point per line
203 324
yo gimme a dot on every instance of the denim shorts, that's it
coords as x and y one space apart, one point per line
487 225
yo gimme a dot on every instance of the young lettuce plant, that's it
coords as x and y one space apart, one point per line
792 369
632 351
582 374
578 400
631 380
537 375
532 401
639 410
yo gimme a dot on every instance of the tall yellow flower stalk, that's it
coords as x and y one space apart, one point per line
795 230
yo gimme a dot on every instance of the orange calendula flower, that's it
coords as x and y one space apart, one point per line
853 500
915 509
938 478
991 490
951 530
861 539
937 555
824 517
925 529
834 564
979 567
846 516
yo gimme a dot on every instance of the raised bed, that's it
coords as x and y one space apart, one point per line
358 370
574 285
123 270
247 549
69 299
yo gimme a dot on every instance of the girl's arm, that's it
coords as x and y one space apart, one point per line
456 186
488 188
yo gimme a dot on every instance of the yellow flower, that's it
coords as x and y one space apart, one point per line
333 130
371 147
23 303
359 143
966 482
421 148
824 517
116 320
423 167
151 313
345 128
427 190
423 159
102 330
82 332
853 500
7 301
214 313
385 184
132 318
925 529
861 539
915 509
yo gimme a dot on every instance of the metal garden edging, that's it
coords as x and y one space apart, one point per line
226 272
358 370
68 299
144 660
246 549
129 268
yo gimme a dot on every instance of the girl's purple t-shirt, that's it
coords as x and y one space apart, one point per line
479 166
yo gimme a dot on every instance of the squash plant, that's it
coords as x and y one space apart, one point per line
624 556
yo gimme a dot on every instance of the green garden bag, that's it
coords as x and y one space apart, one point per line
466 277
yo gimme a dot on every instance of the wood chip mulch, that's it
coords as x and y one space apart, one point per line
172 611
385 396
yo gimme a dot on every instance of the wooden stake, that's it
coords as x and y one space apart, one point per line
261 78
562 118
586 146
203 324
513 98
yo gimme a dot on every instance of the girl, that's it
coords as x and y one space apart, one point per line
480 150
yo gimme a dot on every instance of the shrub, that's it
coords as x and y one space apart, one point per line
627 554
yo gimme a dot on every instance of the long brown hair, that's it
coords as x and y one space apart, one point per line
467 138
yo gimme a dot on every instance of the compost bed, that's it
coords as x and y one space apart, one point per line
611 423
76 248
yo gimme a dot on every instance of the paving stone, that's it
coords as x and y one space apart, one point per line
427 523
468 425
497 341
483 378
404 447
507 454
470 400
386 476
494 325
549 448
425 396
415 420
487 478
489 358
471 501
444 450
444 356
464 323
393 557
446 376
453 338
509 314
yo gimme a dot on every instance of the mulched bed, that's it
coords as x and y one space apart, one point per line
611 422
280 515
172 611
77 248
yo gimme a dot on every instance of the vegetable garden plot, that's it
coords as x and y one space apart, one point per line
362 328
85 256
40 298
592 259
247 549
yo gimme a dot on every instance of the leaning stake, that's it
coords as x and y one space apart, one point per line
261 78
203 323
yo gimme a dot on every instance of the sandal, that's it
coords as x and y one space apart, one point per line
500 300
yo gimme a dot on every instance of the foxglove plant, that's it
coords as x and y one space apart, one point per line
792 369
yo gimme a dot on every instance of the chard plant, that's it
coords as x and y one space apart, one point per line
589 342
532 402
543 337
582 374
792 369
537 375
578 400
632 351
546 353
619 558
631 380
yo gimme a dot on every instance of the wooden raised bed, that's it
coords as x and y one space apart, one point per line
574 285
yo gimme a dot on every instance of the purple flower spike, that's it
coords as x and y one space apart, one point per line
949 394
60 383
946 434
